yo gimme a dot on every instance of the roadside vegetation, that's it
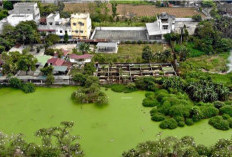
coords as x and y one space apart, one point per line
186 146
54 141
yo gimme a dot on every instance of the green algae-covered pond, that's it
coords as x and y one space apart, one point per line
105 131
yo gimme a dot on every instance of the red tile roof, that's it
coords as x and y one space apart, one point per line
55 61
85 56
65 52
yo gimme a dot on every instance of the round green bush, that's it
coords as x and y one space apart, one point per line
218 104
226 116
149 95
154 110
158 117
178 118
181 124
230 122
147 102
168 124
189 121
28 88
209 111
226 110
219 123
202 150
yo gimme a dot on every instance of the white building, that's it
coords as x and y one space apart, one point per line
166 24
24 12
56 25
15 19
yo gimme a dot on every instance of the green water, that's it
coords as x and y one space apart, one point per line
104 132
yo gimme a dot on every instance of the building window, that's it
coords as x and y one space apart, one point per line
74 24
81 24
81 31
61 31
165 27
76 31
50 23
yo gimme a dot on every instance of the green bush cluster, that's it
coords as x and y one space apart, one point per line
168 124
130 87
90 91
146 83
220 123
18 84
181 109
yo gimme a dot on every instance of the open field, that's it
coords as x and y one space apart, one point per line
104 132
128 53
138 10
134 51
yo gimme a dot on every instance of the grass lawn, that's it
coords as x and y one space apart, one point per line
207 63
133 52
214 66
105 131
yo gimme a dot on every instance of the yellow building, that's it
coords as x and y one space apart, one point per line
81 25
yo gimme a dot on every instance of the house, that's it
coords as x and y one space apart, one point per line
163 25
60 70
81 25
107 47
55 62
55 25
80 59
24 12
154 31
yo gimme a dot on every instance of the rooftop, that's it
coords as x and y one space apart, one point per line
55 61
24 4
80 15
120 34
107 44
60 68
85 56
153 28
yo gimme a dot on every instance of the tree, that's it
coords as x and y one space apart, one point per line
47 70
49 80
66 37
197 18
147 54
84 47
26 33
8 5
89 68
27 62
51 39
114 9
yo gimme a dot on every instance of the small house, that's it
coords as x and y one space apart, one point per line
107 47
80 59
60 70
55 62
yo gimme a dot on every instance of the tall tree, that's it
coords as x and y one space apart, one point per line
147 53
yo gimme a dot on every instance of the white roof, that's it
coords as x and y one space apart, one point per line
101 44
80 15
184 20
153 28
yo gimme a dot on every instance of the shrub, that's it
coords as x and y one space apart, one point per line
226 110
180 110
28 88
147 102
218 104
202 150
15 83
219 123
168 124
230 122
118 88
189 121
149 95
154 110
157 117
79 78
209 111
164 108
181 124
49 52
